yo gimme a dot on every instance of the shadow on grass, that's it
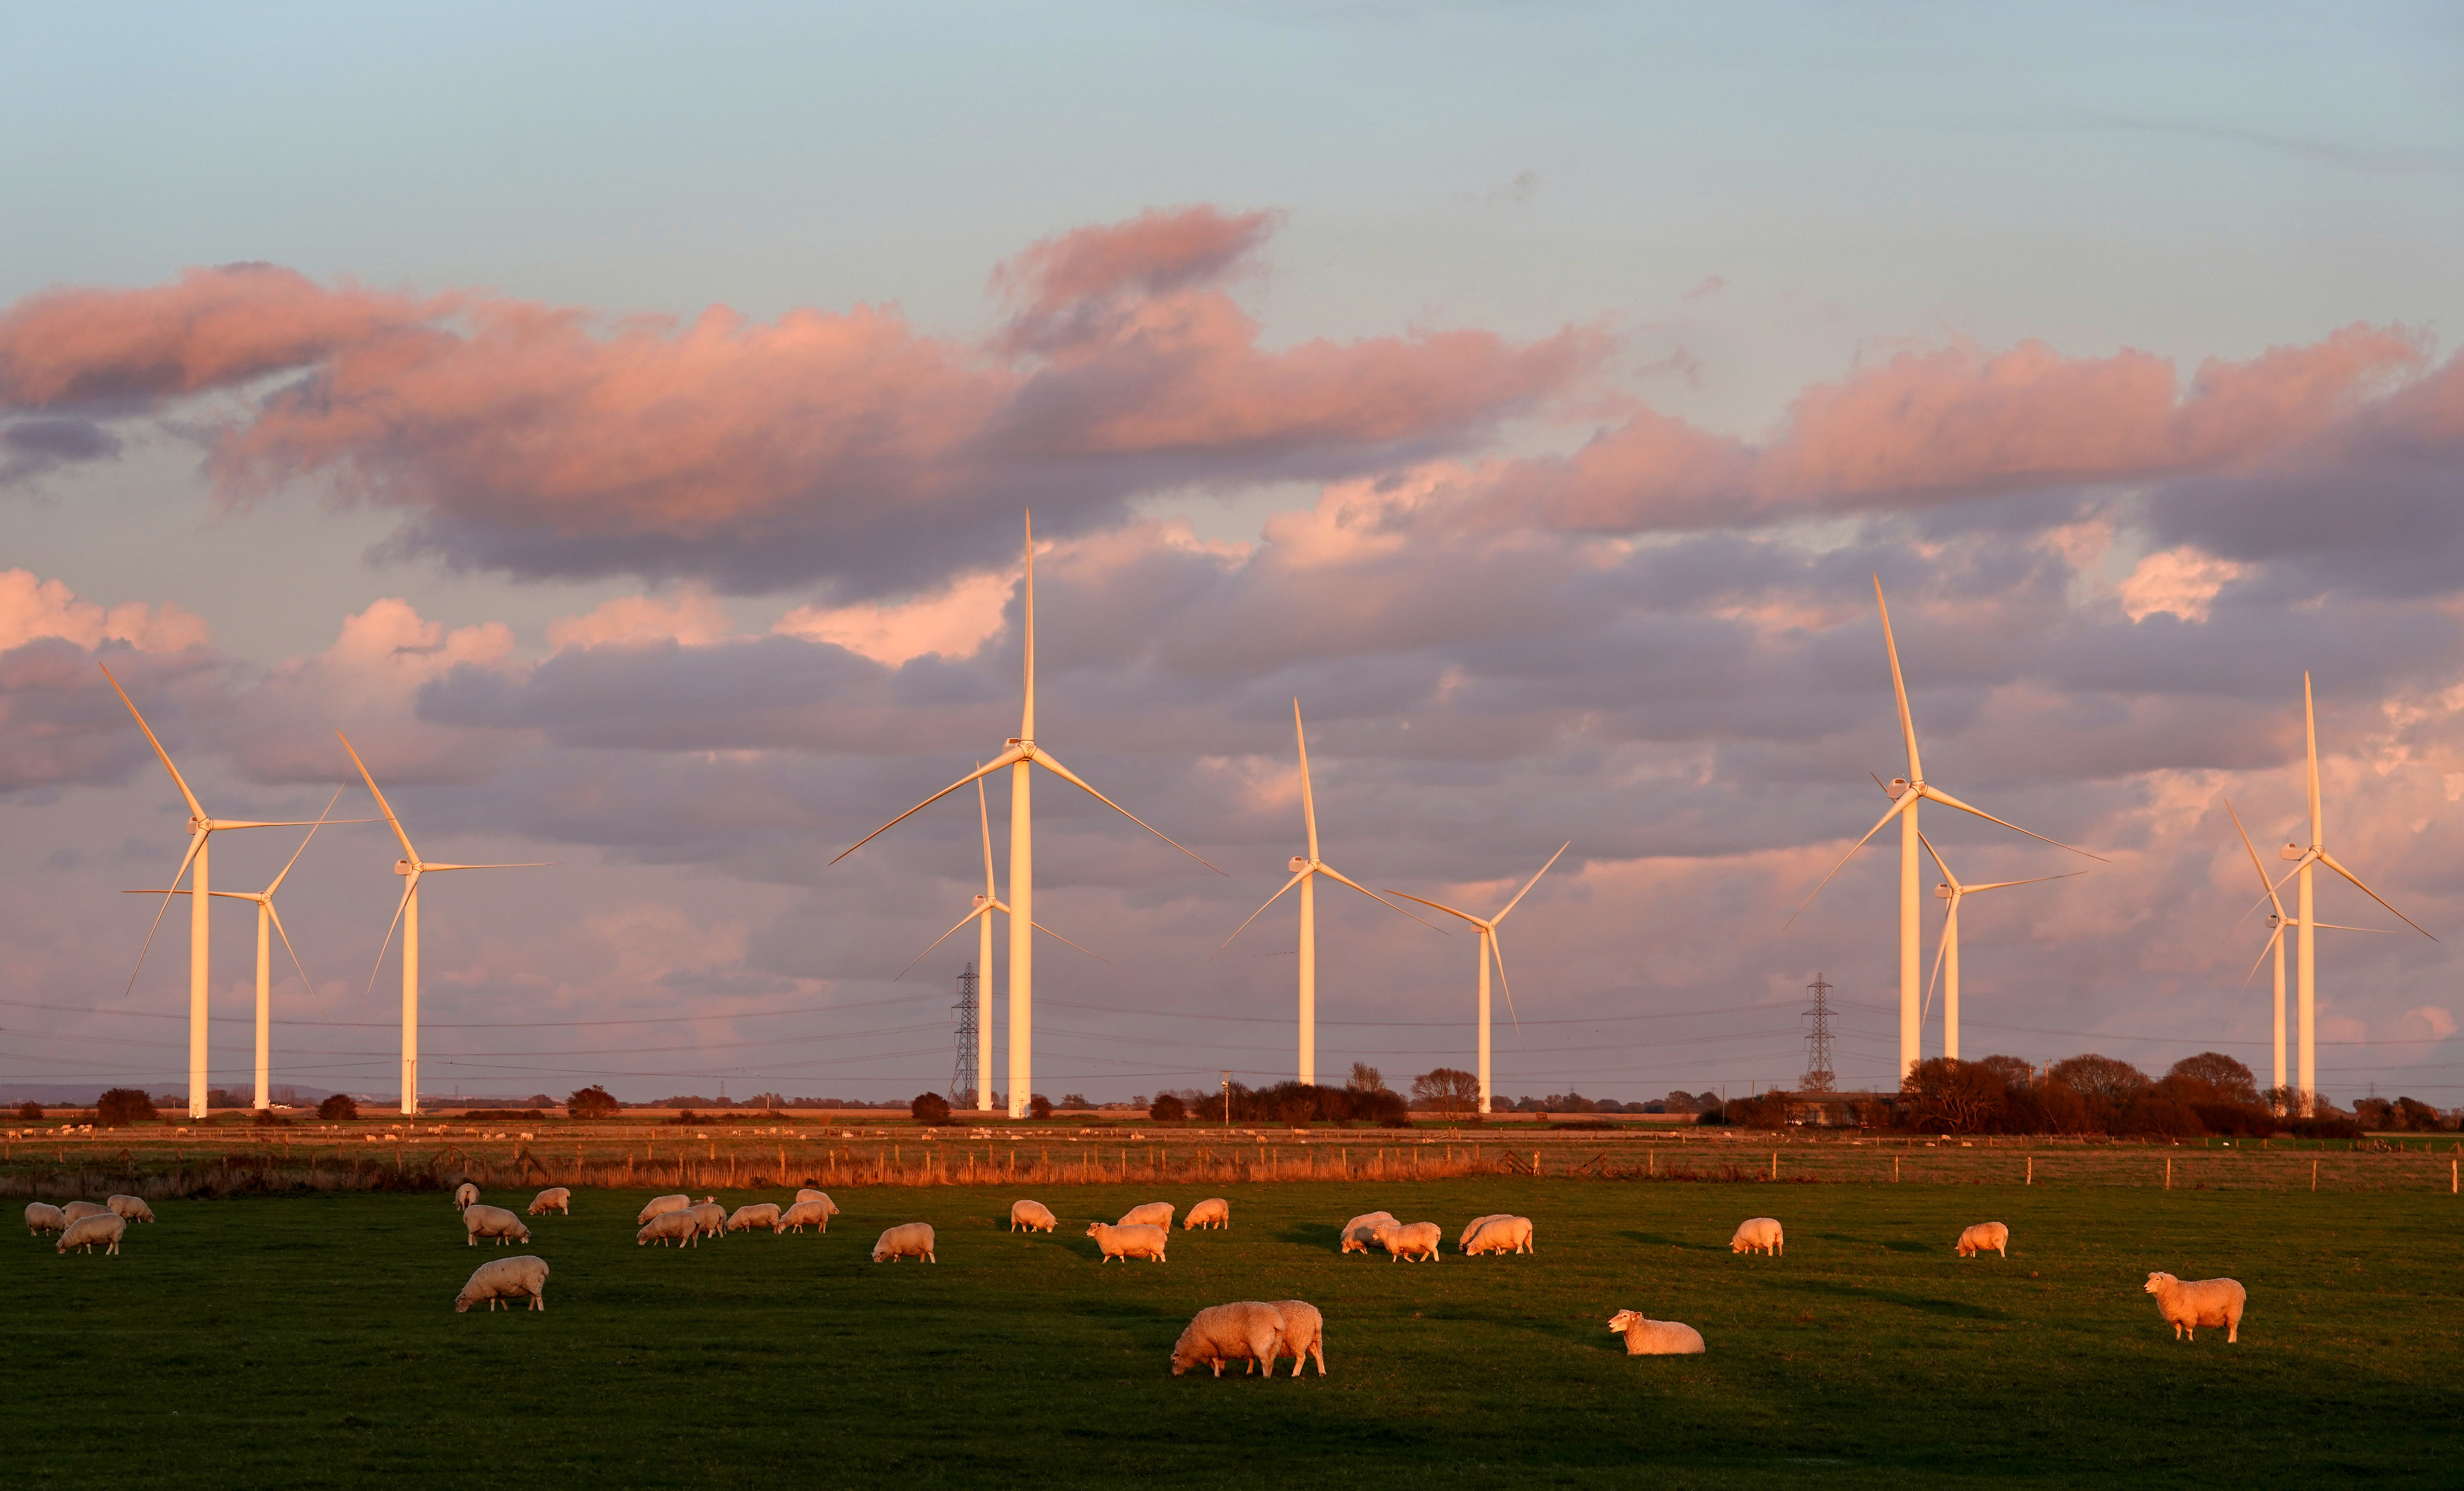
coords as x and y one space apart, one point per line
1312 1235
1893 1244
1658 1240
1957 1308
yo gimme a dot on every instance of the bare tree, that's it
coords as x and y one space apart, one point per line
1447 1090
1365 1078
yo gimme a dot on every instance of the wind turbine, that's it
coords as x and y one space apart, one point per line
987 904
1021 755
1488 949
2277 922
1906 793
195 864
1945 957
2305 860
1305 868
405 915
266 914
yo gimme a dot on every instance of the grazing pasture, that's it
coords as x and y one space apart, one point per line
311 1340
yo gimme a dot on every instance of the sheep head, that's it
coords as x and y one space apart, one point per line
1624 1321
2158 1282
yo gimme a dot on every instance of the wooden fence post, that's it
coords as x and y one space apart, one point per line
2168 1172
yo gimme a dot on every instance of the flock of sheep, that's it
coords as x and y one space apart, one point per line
1253 1331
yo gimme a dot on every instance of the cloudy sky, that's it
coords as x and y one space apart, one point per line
620 422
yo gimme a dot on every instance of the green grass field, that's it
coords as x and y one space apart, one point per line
311 1340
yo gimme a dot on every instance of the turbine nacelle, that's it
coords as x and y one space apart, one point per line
1297 863
1898 788
404 866
2291 851
1942 892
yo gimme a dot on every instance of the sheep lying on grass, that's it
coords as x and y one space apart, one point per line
1362 1231
493 1221
501 1279
710 1217
86 1231
1031 1216
803 1215
2201 1302
1415 1240
907 1239
42 1217
1500 1235
77 1210
465 1195
661 1205
1656 1337
1757 1232
1154 1213
1129 1240
131 1208
1984 1235
1213 1212
759 1216
1304 1335
821 1199
1249 1331
555 1198
681 1228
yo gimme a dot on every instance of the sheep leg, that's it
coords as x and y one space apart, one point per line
1317 1349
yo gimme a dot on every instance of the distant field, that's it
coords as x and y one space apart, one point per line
311 1340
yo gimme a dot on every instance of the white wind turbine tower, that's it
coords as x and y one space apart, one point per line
987 904
405 915
1906 792
1946 958
1305 868
195 866
2304 860
265 914
1490 949
2277 923
1021 755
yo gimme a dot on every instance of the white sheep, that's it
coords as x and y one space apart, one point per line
86 1231
1757 1232
1213 1212
1154 1213
1501 1234
681 1228
1409 1240
1656 1337
821 1199
1304 1335
77 1210
803 1215
1129 1240
1984 1235
493 1221
661 1205
710 1217
2200 1302
1471 1228
1031 1216
133 1208
42 1217
499 1278
907 1239
555 1198
465 1196
1362 1231
758 1217
1249 1331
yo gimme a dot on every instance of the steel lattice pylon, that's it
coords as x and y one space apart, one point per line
1819 1074
962 1068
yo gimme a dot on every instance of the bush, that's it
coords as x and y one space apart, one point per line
929 1108
338 1106
1167 1109
593 1101
121 1107
2323 1127
1039 1106
30 1110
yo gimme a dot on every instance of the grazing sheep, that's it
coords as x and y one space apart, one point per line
555 1198
1304 1335
1985 1234
907 1239
2201 1302
1213 1212
821 1199
1757 1232
759 1216
465 1196
1248 1331
493 1221
682 1228
499 1278
105 1228
133 1208
1362 1231
43 1217
803 1215
1031 1216
1154 1213
77 1210
1501 1234
661 1205
1471 1228
710 1217
1415 1240
1129 1240
1656 1337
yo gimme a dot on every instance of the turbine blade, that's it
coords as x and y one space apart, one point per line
2331 862
1260 910
1899 685
1940 864
1947 801
1026 703
2309 858
410 886
1897 808
1534 881
1043 758
985 909
1006 757
196 841
2264 949
1437 906
524 864
1049 933
282 933
2252 851
1308 802
383 807
196 809
1497 950
1941 951
1328 869
2387 931
984 821
303 843
2005 884
2310 733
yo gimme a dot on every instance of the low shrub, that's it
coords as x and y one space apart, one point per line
121 1107
338 1106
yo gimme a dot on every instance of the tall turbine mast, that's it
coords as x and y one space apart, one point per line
1488 950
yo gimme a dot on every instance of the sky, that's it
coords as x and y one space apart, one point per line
621 422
